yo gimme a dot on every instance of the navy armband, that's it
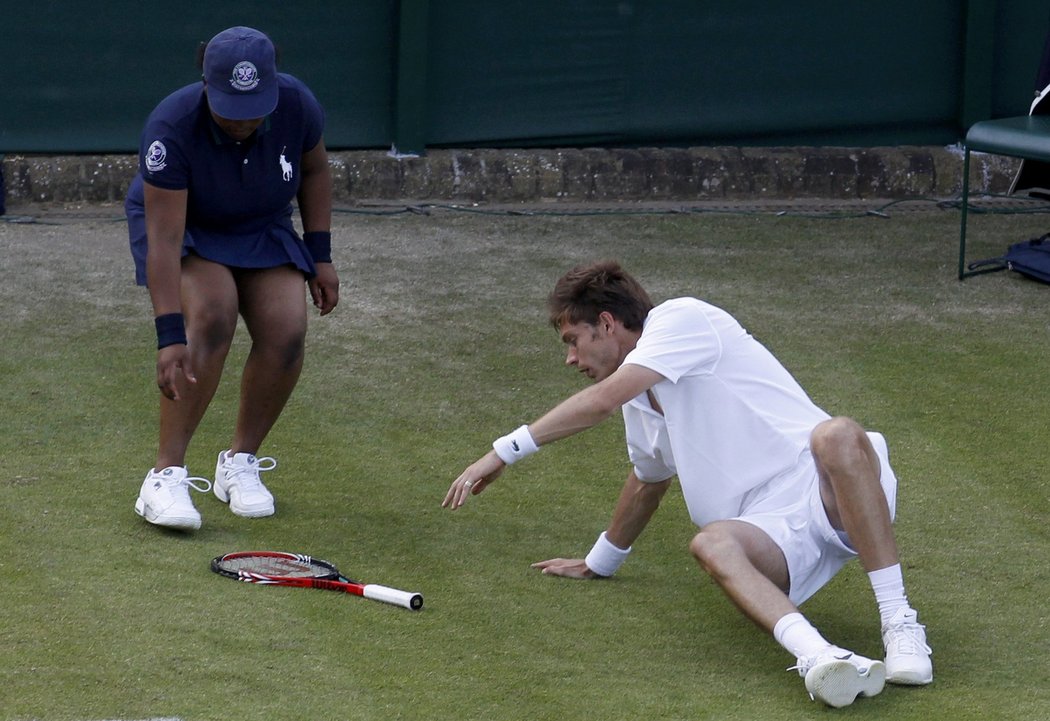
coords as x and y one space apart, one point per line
319 243
171 330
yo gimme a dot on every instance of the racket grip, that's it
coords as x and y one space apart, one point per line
386 594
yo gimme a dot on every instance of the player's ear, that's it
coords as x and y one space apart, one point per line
606 321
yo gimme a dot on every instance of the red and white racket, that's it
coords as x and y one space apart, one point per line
275 568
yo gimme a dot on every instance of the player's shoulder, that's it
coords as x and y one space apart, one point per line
289 85
688 316
287 80
682 307
169 135
179 106
683 303
689 304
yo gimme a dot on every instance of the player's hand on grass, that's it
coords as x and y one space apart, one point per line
173 361
473 480
567 567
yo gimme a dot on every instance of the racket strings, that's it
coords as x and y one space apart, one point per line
303 567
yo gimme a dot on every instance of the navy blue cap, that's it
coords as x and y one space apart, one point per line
240 72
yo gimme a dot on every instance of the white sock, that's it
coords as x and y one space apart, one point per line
888 584
798 636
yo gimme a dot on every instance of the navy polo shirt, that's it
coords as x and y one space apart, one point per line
239 206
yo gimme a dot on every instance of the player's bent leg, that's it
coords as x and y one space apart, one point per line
854 500
748 566
273 305
751 569
209 300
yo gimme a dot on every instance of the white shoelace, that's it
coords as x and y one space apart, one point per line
908 638
188 481
247 477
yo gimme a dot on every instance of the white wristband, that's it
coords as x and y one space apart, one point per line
515 445
604 557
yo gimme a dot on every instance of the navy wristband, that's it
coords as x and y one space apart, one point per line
171 330
319 243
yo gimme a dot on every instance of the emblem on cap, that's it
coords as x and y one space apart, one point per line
245 76
156 157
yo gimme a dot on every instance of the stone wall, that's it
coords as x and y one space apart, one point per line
575 175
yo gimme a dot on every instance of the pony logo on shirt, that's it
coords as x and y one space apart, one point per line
156 157
286 167
245 76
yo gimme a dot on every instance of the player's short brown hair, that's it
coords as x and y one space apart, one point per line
586 291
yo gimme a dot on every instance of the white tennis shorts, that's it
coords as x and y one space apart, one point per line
790 511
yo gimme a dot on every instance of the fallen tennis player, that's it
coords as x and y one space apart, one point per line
784 494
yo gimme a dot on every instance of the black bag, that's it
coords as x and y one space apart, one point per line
1030 258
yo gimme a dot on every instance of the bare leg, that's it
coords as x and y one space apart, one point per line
749 568
273 305
856 503
752 570
209 302
849 487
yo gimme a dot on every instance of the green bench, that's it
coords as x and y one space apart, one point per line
1026 136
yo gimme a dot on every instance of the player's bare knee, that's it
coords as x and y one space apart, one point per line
213 331
282 348
834 432
293 351
711 548
285 356
838 441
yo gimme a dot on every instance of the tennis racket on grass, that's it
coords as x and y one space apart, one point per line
275 568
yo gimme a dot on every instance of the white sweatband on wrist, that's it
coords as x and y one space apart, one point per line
515 445
604 557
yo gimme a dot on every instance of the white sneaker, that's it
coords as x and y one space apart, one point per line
907 655
237 483
164 498
837 676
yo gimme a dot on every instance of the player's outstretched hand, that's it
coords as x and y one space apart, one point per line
473 480
567 567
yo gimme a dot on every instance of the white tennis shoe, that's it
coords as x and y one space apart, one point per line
907 654
164 498
837 676
237 482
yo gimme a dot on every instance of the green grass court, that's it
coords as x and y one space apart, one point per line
439 345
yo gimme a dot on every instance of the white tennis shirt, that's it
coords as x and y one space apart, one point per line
733 417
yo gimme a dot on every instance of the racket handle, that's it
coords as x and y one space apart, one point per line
386 594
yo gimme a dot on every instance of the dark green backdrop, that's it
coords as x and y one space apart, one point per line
81 77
